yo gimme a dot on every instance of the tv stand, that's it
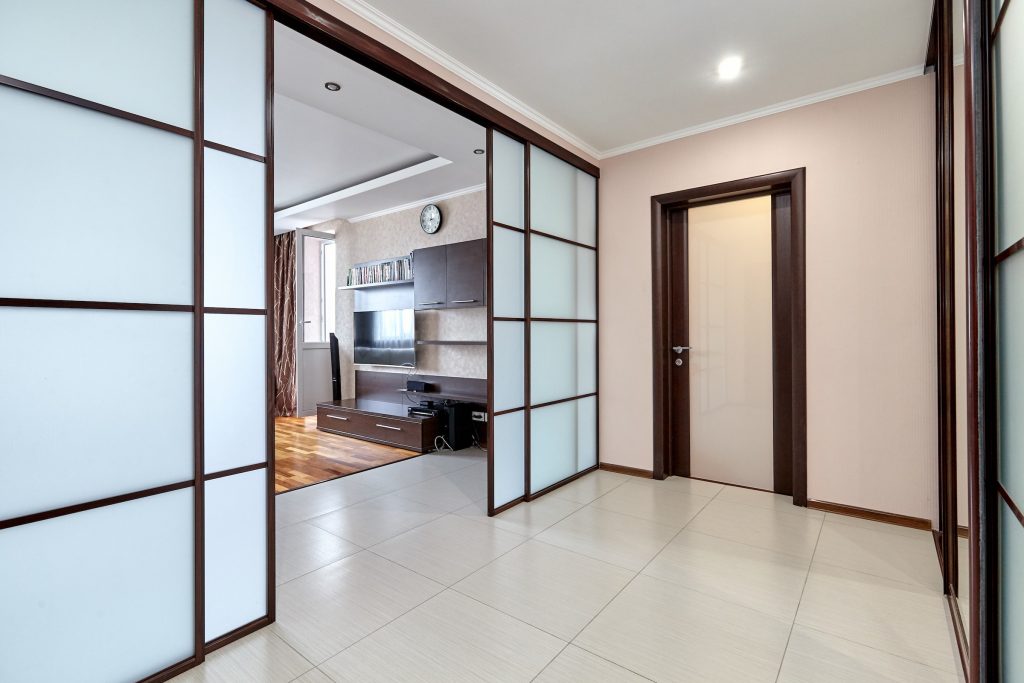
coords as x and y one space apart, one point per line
377 421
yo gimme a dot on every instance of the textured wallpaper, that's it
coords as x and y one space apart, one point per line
397 234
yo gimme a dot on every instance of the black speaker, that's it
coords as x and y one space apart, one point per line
460 425
417 386
335 369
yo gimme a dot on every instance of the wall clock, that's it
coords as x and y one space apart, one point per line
430 219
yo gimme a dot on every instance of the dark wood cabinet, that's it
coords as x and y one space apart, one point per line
466 284
450 275
379 421
430 274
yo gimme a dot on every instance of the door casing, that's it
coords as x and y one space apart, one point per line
671 396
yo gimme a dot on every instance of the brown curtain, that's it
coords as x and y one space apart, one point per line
284 325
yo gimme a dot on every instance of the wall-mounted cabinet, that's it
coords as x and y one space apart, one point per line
451 275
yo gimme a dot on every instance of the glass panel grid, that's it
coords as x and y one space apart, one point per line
563 360
563 280
234 87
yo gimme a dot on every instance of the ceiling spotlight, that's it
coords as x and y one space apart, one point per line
729 68
478 151
332 86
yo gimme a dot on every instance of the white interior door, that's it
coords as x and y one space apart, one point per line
315 289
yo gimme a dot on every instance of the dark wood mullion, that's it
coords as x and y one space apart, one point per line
172 671
92 504
94 106
999 19
505 225
232 636
93 305
236 470
198 399
1010 503
527 322
509 320
489 193
1010 251
563 239
506 411
235 311
234 150
591 321
545 404
268 284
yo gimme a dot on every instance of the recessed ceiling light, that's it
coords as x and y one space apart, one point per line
332 86
729 68
478 151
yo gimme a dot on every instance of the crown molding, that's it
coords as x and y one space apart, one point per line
822 96
435 54
420 202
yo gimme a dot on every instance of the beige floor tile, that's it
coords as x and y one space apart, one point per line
449 548
325 611
697 487
451 491
377 519
261 657
301 548
574 665
450 638
314 676
556 590
622 540
313 501
760 527
664 504
528 519
896 617
668 633
764 580
813 657
767 500
590 486
882 550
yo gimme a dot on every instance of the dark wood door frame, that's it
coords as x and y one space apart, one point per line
789 346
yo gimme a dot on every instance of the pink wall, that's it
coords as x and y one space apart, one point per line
870 286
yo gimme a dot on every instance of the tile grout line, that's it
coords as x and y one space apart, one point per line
796 613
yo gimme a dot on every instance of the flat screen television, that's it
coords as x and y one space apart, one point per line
385 338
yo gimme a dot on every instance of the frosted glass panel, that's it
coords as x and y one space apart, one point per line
234 89
94 207
508 471
235 231
730 360
553 444
563 281
1010 317
508 365
98 596
235 388
1011 569
562 198
563 360
92 404
1008 86
130 55
507 180
586 433
236 551
508 279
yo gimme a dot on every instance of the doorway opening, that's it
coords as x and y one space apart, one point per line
730 389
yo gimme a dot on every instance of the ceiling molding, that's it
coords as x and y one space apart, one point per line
413 40
360 188
413 205
822 96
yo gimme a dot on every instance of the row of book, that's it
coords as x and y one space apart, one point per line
395 270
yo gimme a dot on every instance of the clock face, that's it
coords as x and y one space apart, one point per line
430 219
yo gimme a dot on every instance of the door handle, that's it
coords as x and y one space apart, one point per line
463 301
397 429
680 349
429 303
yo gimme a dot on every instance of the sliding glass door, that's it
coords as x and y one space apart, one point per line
543 365
135 502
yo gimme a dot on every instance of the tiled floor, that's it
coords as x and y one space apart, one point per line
397 574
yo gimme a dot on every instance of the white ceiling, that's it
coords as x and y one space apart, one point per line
328 141
613 75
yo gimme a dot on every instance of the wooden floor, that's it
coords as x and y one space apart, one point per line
305 456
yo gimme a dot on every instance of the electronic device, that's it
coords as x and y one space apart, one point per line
385 338
424 411
460 427
418 386
335 369
479 416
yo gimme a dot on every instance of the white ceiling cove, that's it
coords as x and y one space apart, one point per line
374 145
612 76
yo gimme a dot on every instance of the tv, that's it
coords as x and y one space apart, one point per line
385 338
